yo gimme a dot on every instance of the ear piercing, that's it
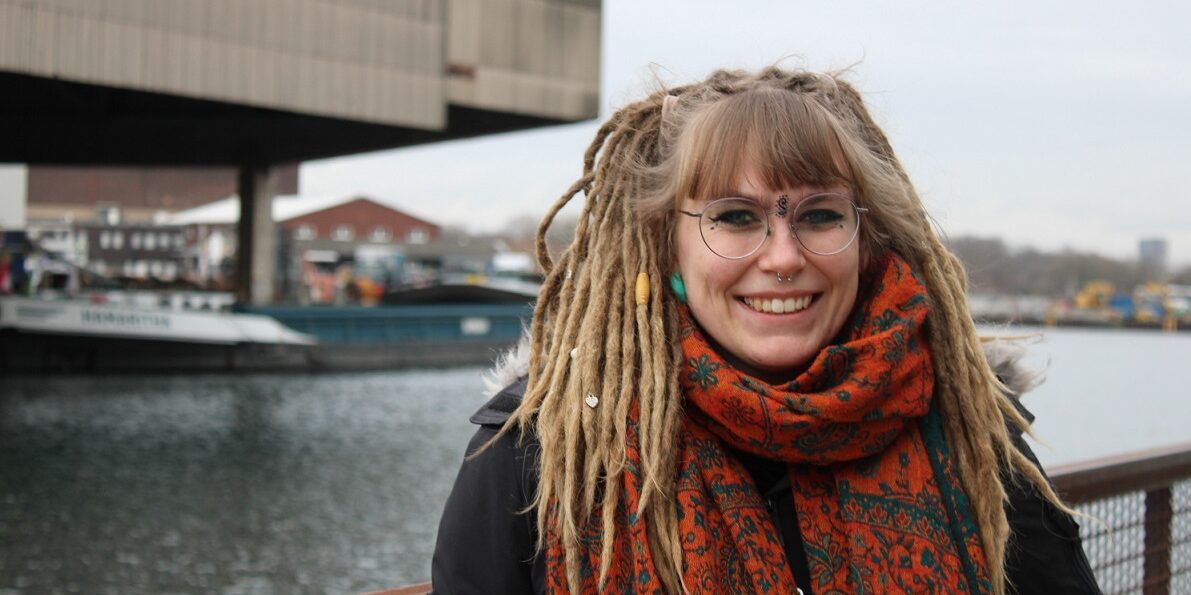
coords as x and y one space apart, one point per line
678 287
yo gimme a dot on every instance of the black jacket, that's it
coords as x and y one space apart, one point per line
486 544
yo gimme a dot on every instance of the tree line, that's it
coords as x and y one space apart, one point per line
994 267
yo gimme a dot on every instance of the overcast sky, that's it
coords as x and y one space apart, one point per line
1049 124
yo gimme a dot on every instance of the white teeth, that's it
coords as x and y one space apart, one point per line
779 306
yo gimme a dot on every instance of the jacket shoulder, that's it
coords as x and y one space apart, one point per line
501 406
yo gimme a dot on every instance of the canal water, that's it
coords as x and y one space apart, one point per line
333 483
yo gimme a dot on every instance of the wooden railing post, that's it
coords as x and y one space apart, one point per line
1157 542
418 589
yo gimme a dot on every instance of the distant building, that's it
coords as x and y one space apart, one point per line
317 238
113 220
130 251
1153 257
134 251
115 195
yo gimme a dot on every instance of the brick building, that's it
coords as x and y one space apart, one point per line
359 220
136 195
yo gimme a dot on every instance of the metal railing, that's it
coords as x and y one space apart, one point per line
418 589
1137 532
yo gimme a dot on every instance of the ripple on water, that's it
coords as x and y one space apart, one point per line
248 483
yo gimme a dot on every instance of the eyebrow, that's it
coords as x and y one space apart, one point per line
739 194
814 190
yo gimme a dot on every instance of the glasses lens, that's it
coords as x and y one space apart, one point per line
825 223
733 227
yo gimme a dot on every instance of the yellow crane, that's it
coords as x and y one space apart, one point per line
1095 294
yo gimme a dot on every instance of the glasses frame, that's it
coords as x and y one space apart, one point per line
781 212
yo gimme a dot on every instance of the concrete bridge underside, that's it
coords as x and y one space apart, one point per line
257 84
52 121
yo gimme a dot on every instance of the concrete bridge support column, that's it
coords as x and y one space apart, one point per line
256 236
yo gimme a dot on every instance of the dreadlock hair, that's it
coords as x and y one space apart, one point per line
589 337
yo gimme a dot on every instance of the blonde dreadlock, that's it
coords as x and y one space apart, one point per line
590 337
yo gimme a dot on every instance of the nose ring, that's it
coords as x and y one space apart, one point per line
785 279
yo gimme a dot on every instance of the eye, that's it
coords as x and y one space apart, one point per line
820 218
735 218
823 213
734 214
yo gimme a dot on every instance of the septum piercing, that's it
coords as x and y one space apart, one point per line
786 279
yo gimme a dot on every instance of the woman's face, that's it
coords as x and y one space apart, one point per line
727 297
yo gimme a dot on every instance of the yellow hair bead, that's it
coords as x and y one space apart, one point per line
642 289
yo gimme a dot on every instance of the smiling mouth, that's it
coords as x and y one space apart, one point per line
778 305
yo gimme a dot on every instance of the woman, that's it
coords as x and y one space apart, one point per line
753 371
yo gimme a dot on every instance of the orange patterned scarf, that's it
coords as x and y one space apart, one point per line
880 508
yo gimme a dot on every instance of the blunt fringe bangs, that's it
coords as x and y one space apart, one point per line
785 138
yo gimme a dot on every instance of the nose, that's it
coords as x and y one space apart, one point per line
782 253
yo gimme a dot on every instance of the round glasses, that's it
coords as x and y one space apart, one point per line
735 228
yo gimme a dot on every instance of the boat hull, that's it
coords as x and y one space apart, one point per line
58 336
75 336
34 352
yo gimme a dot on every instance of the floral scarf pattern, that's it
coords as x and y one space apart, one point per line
880 507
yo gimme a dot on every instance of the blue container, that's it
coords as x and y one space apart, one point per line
445 323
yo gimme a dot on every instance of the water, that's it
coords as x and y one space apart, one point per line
244 484
1108 392
291 484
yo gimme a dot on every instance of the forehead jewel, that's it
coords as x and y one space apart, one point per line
783 205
